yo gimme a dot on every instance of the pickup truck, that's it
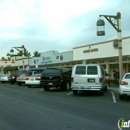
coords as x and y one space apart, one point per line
56 77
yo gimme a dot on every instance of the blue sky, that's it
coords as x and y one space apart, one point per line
60 25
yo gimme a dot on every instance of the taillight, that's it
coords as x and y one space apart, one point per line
27 75
61 79
72 80
38 78
27 78
100 80
124 83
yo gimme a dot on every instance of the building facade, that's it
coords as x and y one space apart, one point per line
105 53
3 65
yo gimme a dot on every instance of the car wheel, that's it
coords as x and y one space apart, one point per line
41 86
46 88
2 82
121 97
102 92
29 86
105 89
67 86
75 92
12 82
19 84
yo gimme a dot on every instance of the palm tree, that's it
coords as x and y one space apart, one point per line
36 54
8 56
3 58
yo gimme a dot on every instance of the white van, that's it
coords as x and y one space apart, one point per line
90 77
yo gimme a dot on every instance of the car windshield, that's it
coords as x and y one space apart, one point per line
25 72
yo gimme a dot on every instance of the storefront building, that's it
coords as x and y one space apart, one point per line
105 53
51 58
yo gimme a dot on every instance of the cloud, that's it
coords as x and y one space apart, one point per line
43 25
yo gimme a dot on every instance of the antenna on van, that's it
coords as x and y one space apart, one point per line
84 62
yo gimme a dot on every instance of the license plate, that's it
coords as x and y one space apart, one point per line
50 83
91 80
32 79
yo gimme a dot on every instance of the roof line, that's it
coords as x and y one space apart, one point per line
91 44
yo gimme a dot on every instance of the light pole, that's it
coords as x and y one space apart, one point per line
117 25
17 48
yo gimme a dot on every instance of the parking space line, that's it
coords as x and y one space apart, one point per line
114 98
69 93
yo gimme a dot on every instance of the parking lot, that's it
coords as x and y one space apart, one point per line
36 109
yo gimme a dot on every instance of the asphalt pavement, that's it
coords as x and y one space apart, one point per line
23 108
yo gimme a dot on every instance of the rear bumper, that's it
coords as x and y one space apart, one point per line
5 80
124 90
32 83
21 81
52 84
89 88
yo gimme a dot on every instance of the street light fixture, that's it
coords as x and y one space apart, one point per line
17 48
117 26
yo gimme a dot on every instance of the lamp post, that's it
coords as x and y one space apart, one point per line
115 21
17 48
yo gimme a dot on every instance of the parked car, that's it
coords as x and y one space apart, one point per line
22 76
90 77
55 77
124 88
33 80
5 78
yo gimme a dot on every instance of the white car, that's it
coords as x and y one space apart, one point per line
5 78
33 80
124 88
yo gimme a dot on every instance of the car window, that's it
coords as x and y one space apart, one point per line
92 70
127 76
80 70
14 72
25 72
52 72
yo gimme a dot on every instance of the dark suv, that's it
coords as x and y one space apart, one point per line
55 77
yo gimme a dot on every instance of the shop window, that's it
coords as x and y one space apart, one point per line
57 57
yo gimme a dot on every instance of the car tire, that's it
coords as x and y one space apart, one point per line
121 97
29 86
102 92
40 86
46 88
75 92
66 86
12 82
105 89
2 82
19 84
